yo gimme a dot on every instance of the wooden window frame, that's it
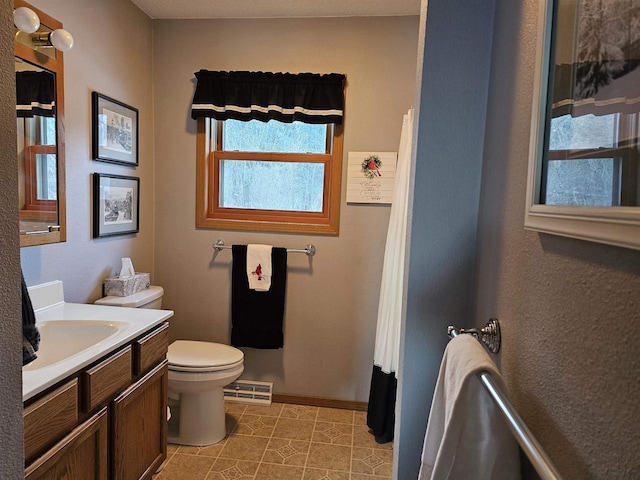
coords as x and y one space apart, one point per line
46 210
209 214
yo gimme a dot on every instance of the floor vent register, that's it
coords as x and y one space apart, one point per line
248 392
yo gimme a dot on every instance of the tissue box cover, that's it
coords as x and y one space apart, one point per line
123 287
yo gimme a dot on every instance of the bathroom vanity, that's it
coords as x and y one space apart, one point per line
95 406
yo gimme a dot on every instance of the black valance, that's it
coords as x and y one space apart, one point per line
35 94
286 97
597 72
597 88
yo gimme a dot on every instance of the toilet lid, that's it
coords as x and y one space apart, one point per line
188 353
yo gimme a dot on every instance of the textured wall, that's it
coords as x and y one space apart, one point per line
11 462
569 309
112 55
332 301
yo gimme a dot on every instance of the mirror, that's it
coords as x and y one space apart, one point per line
40 135
584 159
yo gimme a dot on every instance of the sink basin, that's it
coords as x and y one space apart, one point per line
61 339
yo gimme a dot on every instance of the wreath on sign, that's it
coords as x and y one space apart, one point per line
371 167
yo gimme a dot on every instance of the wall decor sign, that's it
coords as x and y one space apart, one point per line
116 205
371 177
114 128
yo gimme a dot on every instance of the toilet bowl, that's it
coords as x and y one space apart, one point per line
197 373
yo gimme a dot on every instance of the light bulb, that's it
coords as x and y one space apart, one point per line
61 39
26 19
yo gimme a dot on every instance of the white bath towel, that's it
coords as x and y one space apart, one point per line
259 267
467 437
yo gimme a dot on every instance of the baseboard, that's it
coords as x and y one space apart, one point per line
320 402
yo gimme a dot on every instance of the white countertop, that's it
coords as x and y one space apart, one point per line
130 322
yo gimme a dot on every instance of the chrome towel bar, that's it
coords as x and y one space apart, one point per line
309 250
491 338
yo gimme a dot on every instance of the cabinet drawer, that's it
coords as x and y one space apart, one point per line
81 455
106 379
50 418
151 349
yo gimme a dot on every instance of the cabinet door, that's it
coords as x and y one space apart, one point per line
81 455
139 421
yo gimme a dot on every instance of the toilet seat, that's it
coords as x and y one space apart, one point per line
201 357
181 368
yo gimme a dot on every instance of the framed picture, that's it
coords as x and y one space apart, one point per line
116 205
371 177
114 128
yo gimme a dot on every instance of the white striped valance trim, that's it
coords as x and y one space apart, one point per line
267 109
32 105
597 103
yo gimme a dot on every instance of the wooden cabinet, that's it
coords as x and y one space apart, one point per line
102 382
80 455
150 348
139 420
50 418
107 421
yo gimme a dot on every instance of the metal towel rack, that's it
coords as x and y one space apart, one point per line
309 250
491 338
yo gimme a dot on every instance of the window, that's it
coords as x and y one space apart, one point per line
38 153
269 176
269 150
591 136
40 174
592 161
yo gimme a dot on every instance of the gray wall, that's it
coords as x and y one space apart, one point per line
332 301
570 309
448 165
11 460
112 55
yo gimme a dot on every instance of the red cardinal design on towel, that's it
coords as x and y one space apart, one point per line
258 272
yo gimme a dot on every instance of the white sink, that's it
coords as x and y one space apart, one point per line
75 335
61 339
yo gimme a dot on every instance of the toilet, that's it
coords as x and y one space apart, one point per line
197 373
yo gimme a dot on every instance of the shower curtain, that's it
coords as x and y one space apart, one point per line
382 396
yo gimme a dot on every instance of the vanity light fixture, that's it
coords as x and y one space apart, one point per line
28 21
61 39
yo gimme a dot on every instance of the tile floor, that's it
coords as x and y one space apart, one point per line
285 442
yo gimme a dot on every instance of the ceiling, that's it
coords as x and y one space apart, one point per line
276 8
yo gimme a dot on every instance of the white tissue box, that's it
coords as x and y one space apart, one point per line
123 287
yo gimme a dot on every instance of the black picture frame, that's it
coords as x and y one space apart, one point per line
114 129
116 205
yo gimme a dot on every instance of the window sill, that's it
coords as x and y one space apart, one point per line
268 226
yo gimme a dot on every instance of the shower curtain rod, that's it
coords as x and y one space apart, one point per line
309 249
490 337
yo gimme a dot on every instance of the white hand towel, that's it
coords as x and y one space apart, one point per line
467 437
259 267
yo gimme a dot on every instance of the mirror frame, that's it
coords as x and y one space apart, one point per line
618 226
55 65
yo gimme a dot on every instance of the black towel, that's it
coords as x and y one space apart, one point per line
257 317
30 333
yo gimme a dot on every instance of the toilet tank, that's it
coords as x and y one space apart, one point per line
149 298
